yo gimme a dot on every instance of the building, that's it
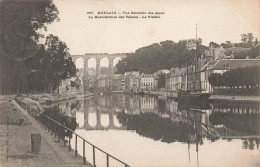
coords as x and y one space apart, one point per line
92 84
72 85
233 52
148 82
131 81
176 79
104 82
221 66
118 82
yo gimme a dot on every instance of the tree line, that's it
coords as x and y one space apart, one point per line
26 65
248 76
163 55
168 54
247 41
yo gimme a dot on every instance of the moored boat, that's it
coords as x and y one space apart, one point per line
196 96
172 95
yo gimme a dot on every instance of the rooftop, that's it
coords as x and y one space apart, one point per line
223 64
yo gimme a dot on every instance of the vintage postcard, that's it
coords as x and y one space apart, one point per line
120 83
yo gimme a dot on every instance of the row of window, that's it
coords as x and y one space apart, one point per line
146 79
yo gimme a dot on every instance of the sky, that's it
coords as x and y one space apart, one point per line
217 21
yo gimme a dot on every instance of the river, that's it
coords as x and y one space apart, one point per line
147 131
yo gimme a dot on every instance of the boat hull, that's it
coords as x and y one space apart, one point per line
194 97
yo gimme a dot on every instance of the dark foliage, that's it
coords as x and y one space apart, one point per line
249 76
246 124
163 55
161 80
159 128
25 65
64 120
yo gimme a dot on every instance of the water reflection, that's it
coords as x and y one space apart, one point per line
213 125
65 114
164 120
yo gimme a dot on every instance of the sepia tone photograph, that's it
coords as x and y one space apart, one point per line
129 83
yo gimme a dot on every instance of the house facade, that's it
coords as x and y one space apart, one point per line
176 79
72 85
104 82
131 81
148 82
118 82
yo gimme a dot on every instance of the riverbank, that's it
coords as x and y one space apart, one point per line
49 99
15 140
235 98
173 95
212 97
141 93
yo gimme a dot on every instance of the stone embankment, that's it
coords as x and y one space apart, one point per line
235 98
173 95
54 98
212 97
16 127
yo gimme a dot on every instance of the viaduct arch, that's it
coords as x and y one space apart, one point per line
97 57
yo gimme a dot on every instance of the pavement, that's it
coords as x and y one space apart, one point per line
15 141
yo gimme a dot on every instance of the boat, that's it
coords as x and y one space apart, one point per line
187 95
172 95
192 96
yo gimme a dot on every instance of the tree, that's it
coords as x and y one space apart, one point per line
51 65
161 80
227 44
244 38
248 76
213 44
19 25
247 40
215 79
163 55
256 42
250 38
58 64
20 21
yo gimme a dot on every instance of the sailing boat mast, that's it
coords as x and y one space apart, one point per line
196 48
196 51
187 66
195 66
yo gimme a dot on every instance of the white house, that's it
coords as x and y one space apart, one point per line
148 82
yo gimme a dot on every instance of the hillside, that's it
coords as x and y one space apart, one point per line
163 55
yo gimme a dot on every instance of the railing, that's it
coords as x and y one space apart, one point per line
62 132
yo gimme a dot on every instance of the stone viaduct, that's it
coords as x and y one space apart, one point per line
97 57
